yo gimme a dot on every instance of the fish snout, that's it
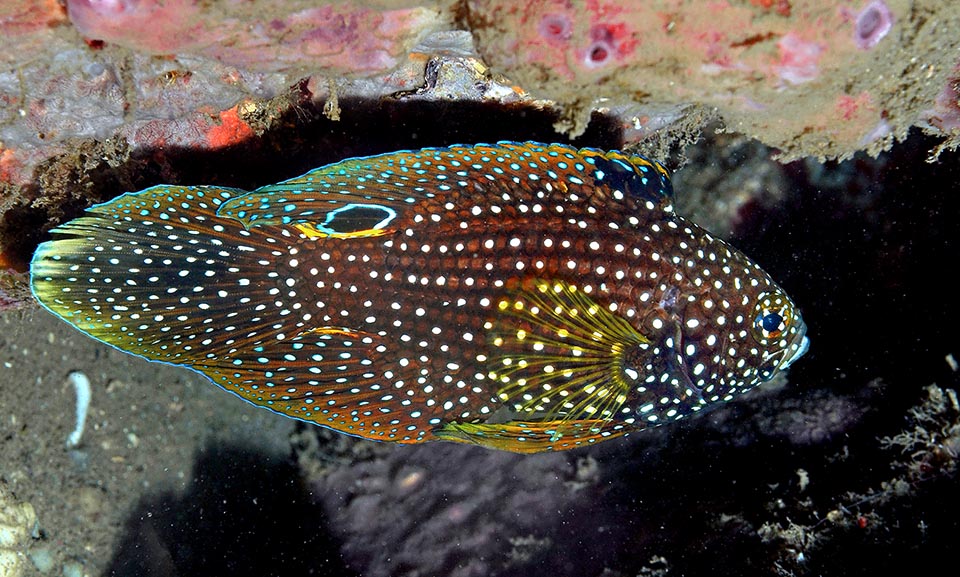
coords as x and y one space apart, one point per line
798 346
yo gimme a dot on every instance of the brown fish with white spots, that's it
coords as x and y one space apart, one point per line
521 296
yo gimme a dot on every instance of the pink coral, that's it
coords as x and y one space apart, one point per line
799 59
25 17
231 130
608 41
945 115
160 27
773 68
601 49
555 28
873 23
333 38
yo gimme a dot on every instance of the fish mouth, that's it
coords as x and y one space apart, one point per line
797 347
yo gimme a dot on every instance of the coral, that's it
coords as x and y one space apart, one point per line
799 59
944 116
231 130
337 39
161 27
26 27
772 69
555 28
57 90
872 24
946 113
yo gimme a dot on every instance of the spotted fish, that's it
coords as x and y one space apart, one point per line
521 296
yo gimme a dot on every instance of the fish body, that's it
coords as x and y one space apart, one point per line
521 296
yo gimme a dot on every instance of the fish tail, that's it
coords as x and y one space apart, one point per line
158 274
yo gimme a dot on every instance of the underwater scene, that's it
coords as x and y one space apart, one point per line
443 289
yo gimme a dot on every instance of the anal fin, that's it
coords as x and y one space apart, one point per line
338 377
530 437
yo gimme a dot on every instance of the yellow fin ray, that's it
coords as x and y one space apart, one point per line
558 355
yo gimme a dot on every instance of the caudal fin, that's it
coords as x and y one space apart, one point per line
156 273
159 274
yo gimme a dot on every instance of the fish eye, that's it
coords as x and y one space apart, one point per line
771 324
772 318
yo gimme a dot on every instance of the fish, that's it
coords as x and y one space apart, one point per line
519 296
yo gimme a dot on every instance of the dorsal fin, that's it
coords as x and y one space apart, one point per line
369 196
631 174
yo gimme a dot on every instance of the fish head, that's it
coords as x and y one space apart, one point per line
737 336
715 330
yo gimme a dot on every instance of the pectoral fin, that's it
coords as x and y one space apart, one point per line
558 355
